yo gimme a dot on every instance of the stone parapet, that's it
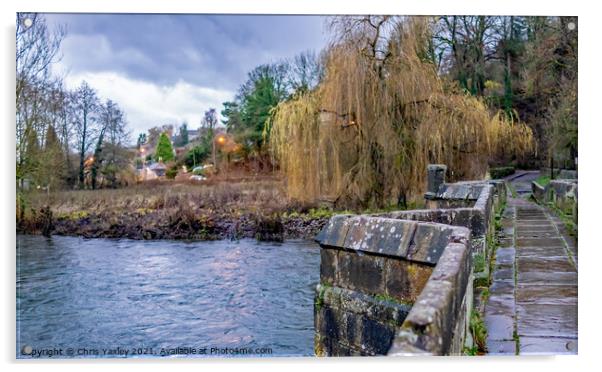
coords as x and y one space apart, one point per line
400 282
438 321
372 270
562 193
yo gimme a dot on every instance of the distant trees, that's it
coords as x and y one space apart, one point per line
209 120
141 140
110 155
267 85
37 106
525 66
182 138
197 155
57 130
54 168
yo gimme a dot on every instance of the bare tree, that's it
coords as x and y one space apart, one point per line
306 71
115 155
86 110
36 49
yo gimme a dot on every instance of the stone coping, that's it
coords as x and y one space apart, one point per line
415 241
475 217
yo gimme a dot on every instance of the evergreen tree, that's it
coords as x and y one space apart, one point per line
141 140
164 151
182 138
52 170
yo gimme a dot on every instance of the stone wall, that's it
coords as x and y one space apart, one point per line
468 204
562 193
439 320
372 270
401 283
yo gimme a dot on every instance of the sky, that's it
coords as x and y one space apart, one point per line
167 69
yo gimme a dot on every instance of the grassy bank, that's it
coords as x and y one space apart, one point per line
226 208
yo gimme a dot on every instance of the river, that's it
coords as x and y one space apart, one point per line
102 297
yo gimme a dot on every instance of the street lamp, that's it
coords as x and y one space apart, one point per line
221 140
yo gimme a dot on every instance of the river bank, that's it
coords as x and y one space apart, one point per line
179 225
170 210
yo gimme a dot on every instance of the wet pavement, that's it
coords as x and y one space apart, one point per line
532 307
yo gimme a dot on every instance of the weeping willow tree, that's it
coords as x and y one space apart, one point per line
365 135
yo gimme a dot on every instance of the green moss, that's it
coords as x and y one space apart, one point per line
567 220
481 281
512 191
319 302
74 216
318 213
387 298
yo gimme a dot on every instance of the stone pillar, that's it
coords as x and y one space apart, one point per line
435 178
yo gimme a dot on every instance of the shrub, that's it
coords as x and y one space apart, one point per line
501 172
197 155
171 173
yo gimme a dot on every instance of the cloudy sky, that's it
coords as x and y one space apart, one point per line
166 69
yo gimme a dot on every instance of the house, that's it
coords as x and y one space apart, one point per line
193 134
158 168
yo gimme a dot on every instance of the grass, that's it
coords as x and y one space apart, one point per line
512 191
543 180
567 220
479 263
479 331
471 351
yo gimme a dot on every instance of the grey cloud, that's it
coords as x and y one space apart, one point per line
207 50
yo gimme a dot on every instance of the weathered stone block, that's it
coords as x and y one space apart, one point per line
430 241
328 265
375 264
335 232
352 323
567 174
426 326
361 272
405 280
435 178
356 233
388 236
376 336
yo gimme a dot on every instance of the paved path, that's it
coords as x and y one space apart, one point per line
532 307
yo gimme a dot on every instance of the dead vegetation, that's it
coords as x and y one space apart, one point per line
254 207
149 196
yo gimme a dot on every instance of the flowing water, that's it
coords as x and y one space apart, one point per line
102 297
